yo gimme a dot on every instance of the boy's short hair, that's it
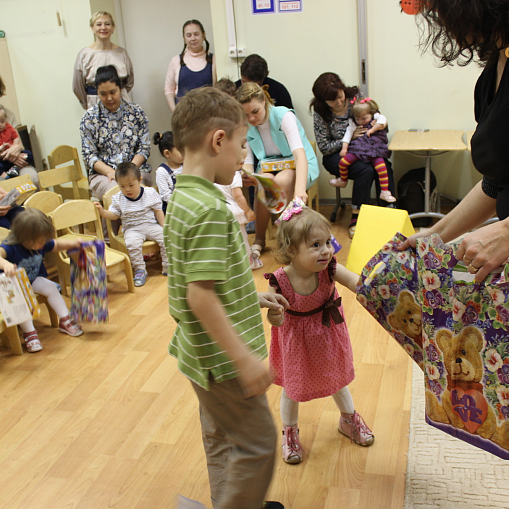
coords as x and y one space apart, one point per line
203 110
227 86
254 68
127 169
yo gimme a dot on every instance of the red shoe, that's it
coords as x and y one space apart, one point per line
354 427
32 341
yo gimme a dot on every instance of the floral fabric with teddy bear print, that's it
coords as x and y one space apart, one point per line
459 337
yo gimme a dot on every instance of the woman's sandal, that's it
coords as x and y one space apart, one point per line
32 342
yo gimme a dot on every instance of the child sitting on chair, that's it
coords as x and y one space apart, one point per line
32 235
369 147
140 209
9 137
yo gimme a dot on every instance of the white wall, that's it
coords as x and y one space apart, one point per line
411 91
42 57
298 48
153 35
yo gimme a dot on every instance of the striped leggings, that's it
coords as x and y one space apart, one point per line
377 162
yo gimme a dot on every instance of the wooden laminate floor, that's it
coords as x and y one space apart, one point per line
106 420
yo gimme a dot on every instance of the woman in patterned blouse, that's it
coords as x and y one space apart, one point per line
331 105
113 131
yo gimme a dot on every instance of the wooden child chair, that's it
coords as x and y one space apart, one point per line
81 212
117 240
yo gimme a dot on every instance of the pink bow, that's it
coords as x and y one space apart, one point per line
294 207
365 100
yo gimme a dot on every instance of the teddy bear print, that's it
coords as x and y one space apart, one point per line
406 317
463 402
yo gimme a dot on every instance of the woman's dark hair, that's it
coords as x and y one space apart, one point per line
326 88
2 87
208 56
464 30
165 141
106 74
254 68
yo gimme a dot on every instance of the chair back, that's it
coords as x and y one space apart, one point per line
107 196
9 184
75 213
46 201
106 203
63 154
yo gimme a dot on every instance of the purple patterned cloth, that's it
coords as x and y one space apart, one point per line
460 340
89 294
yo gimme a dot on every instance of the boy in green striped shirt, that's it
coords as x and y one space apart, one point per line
219 341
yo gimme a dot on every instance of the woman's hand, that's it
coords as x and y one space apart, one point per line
110 175
14 155
485 249
411 241
302 195
4 210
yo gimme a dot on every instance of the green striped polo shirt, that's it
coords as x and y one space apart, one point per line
204 243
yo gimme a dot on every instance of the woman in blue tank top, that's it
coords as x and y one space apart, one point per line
195 67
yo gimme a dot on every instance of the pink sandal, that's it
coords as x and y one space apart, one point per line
32 341
68 326
292 450
354 427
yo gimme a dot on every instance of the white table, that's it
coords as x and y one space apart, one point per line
432 143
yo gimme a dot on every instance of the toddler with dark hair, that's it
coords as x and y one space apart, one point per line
140 209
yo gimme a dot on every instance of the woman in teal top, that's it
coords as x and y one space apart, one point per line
275 132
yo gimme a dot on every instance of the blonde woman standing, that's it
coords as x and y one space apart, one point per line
275 132
100 53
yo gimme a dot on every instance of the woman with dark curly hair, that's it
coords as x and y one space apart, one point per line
332 111
464 31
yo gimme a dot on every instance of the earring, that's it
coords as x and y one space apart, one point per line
506 52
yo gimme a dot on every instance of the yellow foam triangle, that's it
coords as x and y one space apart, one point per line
375 227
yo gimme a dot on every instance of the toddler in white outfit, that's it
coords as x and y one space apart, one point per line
140 209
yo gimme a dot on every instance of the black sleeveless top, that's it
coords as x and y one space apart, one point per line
490 140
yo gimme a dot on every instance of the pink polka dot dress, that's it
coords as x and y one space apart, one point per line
311 360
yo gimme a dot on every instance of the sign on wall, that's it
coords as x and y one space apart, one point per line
269 6
290 5
264 6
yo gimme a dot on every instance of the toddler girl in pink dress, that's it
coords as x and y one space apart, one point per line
310 350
